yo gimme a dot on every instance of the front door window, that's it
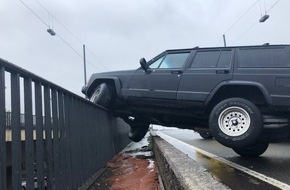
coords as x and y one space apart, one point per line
156 63
174 61
170 61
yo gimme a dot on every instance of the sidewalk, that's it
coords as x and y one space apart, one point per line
132 169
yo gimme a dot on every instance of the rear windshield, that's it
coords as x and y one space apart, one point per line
264 58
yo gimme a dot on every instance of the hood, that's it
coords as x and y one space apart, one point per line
113 73
107 75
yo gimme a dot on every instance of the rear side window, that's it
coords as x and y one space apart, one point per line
264 58
225 59
212 59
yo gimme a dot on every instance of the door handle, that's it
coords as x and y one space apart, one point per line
222 72
176 72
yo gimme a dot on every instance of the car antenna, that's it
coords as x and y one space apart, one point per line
266 44
196 47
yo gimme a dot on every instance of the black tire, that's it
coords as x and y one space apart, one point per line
236 123
138 131
205 135
102 95
252 151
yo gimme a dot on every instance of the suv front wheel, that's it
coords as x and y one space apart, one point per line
236 123
205 135
102 95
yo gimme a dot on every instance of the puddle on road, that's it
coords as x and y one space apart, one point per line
233 178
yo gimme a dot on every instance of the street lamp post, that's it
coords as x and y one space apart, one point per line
85 65
52 33
224 37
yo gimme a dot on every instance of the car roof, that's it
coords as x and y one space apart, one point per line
228 47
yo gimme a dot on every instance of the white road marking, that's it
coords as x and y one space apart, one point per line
178 144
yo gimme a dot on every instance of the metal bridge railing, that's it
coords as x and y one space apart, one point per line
53 139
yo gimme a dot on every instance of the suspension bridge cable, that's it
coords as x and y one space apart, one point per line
251 26
66 28
97 58
247 30
240 17
272 6
73 49
59 36
63 40
69 31
220 40
38 17
255 22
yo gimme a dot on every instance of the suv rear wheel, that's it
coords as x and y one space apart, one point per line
236 123
138 131
254 150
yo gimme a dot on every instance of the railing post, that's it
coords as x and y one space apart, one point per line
3 177
39 136
48 138
29 141
61 140
16 131
67 126
55 128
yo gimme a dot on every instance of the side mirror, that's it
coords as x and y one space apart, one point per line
143 64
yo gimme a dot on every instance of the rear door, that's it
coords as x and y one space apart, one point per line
207 69
269 67
162 78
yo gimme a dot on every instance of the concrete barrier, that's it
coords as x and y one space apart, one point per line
178 171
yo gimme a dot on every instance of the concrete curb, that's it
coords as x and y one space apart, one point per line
178 171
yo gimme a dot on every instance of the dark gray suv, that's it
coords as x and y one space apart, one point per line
239 95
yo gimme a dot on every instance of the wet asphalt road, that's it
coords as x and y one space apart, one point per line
275 162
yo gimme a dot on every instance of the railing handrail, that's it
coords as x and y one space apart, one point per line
12 68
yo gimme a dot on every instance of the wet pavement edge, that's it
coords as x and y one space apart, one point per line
178 171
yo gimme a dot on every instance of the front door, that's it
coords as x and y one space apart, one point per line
162 78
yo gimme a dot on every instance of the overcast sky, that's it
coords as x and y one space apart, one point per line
118 33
